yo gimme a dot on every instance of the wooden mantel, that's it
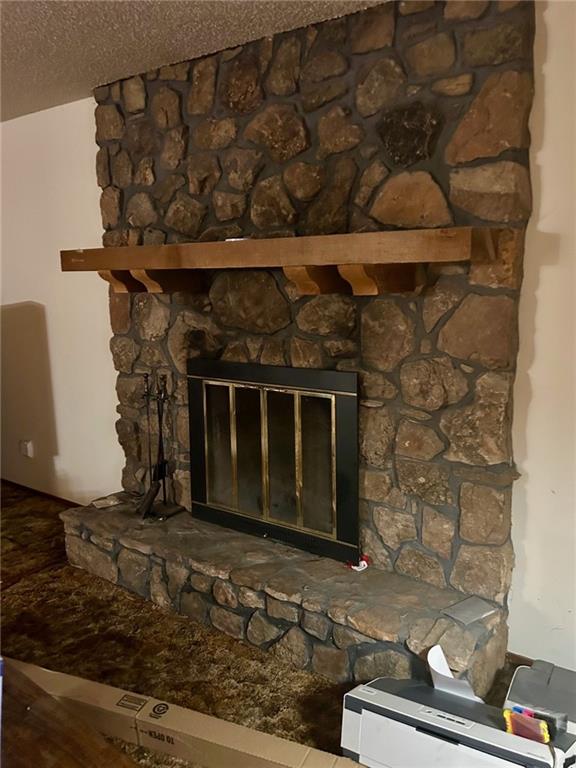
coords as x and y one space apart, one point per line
363 264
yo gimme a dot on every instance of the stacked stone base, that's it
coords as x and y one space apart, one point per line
311 612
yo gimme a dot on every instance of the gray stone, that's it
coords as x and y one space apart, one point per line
372 28
387 335
432 383
228 205
158 589
279 128
331 662
484 514
417 441
230 623
176 575
271 206
327 315
195 606
344 637
305 354
151 317
432 56
498 192
437 532
379 86
495 45
192 334
336 132
185 215
124 353
84 555
316 624
409 134
225 593
141 139
134 94
293 648
394 527
328 213
411 200
369 180
140 211
279 609
174 147
201 93
240 87
241 167
283 74
419 565
372 546
261 630
381 664
134 567
165 108
322 66
249 300
109 123
110 207
488 660
480 433
430 482
215 134
376 436
483 571
127 432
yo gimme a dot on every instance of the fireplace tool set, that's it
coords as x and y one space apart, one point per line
149 506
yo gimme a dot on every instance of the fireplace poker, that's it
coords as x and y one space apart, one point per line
147 397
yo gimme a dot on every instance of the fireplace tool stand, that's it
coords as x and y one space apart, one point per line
150 507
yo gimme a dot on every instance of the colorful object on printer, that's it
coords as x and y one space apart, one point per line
521 722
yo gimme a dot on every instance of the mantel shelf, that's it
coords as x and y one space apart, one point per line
363 264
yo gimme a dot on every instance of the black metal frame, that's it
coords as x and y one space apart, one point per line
344 386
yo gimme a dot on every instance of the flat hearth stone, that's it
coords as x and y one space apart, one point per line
365 617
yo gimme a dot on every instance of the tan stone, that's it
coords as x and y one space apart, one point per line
174 147
88 557
323 65
387 334
480 433
110 207
271 206
273 352
121 169
371 545
328 213
331 662
158 589
327 315
151 317
176 575
283 74
133 568
432 383
408 7
432 56
239 86
377 486
303 180
369 180
109 123
379 86
504 270
315 95
376 385
241 167
437 532
305 354
381 622
496 121
316 624
203 172
165 108
484 514
336 132
376 435
421 566
228 205
279 609
394 527
119 304
459 10
215 134
372 28
494 45
293 648
344 637
261 631
453 86
417 441
488 660
279 128
382 664
250 599
140 211
194 605
426 632
428 481
201 93
483 571
439 300
411 200
249 300
201 583
498 192
192 334
225 593
230 623
144 173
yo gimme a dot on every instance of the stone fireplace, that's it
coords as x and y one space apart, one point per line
407 115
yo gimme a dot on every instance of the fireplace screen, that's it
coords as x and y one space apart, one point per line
273 452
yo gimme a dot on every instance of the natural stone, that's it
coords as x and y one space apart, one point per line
164 190
315 95
141 139
316 624
88 557
376 385
303 180
193 334
134 94
140 211
417 441
176 575
372 29
241 167
293 648
323 65
495 45
250 599
124 353
381 622
344 637
235 352
230 623
185 214
376 435
453 86
408 7
130 391
273 352
158 589
437 532
483 571
121 168
331 662
430 482
394 527
261 630
283 75
144 174
328 213
409 134
279 128
504 270
225 593
224 232
379 86
480 433
120 305
165 108
458 10
133 567
305 354
497 192
249 300
203 172
375 173
488 660
101 93
215 134
411 200
240 90
201 93
271 206
439 300
278 609
481 330
102 168
432 383
336 132
174 147
381 664
228 205
331 34
432 56
195 606
109 123
377 486
328 315
202 583
419 565
265 50
387 334
484 514
151 317
341 348
110 207
372 547
496 121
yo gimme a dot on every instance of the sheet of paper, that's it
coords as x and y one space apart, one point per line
443 678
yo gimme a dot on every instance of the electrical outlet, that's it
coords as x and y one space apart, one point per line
26 448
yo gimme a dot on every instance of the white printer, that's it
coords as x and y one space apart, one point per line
410 724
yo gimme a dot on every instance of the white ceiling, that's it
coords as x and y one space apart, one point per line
57 51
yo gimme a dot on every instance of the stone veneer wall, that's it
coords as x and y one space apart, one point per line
402 116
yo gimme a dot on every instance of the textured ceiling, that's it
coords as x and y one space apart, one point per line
56 51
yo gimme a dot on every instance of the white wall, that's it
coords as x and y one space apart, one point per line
543 597
58 380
